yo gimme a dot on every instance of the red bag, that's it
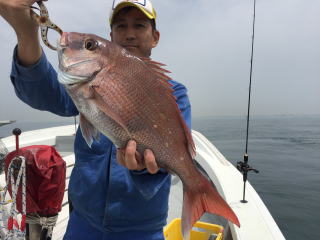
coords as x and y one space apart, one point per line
45 179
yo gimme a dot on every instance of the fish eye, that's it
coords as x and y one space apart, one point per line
91 44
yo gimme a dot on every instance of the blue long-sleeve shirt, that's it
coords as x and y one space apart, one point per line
109 196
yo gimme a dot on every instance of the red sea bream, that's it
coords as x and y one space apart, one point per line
126 97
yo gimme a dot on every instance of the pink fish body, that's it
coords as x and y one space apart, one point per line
126 97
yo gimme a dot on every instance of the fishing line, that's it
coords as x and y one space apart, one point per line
75 124
243 166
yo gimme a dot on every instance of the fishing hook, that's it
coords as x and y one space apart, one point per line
44 23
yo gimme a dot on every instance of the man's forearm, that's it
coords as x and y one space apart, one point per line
29 49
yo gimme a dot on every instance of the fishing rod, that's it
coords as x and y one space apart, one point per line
244 166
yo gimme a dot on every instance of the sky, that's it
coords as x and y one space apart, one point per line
206 44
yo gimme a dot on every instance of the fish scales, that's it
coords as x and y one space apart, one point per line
126 97
139 116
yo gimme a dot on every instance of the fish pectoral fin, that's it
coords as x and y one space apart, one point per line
107 110
87 91
89 132
102 102
115 117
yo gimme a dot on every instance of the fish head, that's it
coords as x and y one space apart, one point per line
81 57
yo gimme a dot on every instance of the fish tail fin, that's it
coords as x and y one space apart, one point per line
204 198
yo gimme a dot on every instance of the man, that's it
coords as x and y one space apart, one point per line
113 200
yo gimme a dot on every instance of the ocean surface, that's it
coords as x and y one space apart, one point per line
286 151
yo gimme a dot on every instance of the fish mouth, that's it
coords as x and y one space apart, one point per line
64 75
69 79
63 66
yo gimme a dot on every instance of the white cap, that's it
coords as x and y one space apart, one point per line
143 5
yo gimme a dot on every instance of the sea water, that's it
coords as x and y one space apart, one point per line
286 151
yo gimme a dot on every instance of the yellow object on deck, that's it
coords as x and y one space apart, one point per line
200 231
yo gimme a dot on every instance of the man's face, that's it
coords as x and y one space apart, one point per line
133 31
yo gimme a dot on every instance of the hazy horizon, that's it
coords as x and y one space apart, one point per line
207 46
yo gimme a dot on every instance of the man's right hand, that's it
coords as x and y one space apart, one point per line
17 14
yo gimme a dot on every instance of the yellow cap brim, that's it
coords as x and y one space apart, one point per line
131 4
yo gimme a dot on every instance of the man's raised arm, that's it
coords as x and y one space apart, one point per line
17 14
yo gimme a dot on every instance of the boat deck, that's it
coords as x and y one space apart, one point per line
256 221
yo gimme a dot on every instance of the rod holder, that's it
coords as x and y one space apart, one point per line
245 169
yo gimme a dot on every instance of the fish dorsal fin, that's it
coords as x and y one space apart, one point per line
161 73
158 69
191 145
187 132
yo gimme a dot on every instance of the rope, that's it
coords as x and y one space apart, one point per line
10 228
14 231
45 222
